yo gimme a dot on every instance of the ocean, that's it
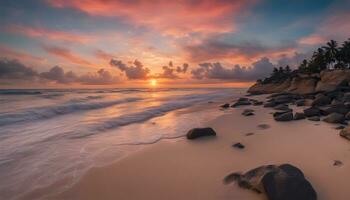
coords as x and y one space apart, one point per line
53 135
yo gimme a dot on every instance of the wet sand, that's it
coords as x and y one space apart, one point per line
190 170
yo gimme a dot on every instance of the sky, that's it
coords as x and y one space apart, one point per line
179 43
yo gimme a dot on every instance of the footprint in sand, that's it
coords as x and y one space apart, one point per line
263 126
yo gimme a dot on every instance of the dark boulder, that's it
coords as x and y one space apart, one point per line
288 185
334 118
226 105
299 116
314 118
347 116
284 182
284 116
321 100
312 111
200 132
337 108
241 103
282 107
300 102
270 104
345 133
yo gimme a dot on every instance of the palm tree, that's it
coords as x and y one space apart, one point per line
344 54
331 52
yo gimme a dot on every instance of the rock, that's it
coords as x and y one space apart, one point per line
299 116
200 132
302 85
258 103
330 80
260 88
334 118
249 134
238 145
346 97
241 103
312 111
337 163
263 126
226 105
314 118
300 102
321 100
345 133
282 107
339 127
283 117
337 108
347 116
270 104
283 182
248 112
288 98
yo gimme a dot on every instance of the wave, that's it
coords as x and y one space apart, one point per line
56 110
19 92
146 114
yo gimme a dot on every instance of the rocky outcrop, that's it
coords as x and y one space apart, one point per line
330 80
260 88
301 85
326 81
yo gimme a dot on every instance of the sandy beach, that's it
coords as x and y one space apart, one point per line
183 169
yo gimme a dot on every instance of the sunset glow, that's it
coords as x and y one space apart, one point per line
153 82
114 43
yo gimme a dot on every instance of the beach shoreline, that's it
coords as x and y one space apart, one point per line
183 169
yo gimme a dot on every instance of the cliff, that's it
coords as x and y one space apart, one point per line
325 81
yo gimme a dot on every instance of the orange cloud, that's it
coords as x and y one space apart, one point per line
170 17
66 54
50 34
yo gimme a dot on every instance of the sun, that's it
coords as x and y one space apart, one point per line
153 82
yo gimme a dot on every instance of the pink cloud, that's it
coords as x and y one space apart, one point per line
8 52
66 54
312 40
36 32
336 26
170 17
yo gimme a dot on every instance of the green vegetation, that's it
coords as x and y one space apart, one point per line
328 57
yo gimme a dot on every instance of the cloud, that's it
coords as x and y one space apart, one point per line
51 34
313 39
13 69
57 74
335 26
66 54
214 49
102 54
134 71
101 77
172 17
259 69
8 52
172 72
293 60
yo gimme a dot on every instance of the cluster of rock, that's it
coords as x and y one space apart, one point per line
325 81
243 101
